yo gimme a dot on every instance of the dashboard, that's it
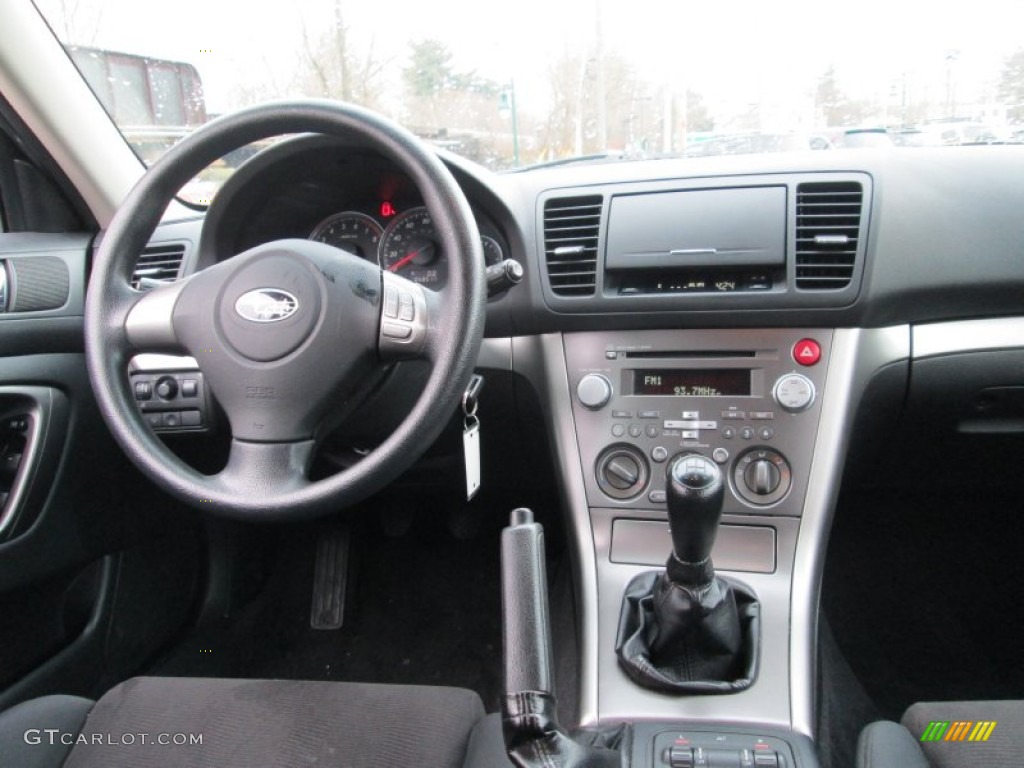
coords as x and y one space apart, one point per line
344 197
791 316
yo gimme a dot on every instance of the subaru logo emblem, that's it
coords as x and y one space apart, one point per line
266 305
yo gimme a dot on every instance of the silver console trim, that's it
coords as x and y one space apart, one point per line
856 355
541 359
934 339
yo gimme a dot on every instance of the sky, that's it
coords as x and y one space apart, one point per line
741 51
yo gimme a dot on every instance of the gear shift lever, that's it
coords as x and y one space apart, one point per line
695 491
684 629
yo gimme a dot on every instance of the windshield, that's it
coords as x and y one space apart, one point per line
534 81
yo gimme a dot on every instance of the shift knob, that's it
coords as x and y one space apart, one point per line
695 490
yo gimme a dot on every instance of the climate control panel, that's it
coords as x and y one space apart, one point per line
750 400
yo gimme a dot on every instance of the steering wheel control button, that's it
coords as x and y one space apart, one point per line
406 307
167 388
391 302
794 392
659 453
594 391
396 330
143 390
762 476
720 455
807 352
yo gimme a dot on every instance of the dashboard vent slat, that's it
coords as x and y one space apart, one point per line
572 226
160 263
827 233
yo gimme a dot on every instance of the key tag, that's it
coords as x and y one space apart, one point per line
471 435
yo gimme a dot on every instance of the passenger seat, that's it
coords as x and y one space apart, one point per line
947 734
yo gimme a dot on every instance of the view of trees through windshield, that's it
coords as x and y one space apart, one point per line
536 82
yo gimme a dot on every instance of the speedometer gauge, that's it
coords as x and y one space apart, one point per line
409 248
351 231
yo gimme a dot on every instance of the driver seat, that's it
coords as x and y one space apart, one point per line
148 722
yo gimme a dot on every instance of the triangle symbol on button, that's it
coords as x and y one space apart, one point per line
806 352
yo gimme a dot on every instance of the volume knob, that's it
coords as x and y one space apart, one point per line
594 391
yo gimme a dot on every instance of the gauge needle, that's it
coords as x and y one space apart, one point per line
407 258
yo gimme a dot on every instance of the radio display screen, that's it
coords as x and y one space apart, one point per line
708 382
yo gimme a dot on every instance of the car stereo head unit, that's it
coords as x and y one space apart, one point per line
748 399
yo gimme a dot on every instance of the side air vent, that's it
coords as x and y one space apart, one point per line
571 229
827 233
158 264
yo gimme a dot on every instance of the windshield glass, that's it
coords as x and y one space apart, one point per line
534 81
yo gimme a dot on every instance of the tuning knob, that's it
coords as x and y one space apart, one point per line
594 391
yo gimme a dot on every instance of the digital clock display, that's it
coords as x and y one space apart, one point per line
710 382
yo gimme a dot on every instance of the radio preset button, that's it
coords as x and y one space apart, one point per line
747 433
766 433
728 432
618 430
634 430
659 453
652 431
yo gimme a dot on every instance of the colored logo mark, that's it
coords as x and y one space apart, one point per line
958 730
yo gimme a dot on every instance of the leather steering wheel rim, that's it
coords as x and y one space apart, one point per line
268 480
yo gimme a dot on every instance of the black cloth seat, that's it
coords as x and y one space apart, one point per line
228 723
886 744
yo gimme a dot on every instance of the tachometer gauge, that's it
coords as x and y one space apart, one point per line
409 248
353 232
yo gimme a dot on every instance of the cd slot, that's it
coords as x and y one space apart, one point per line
691 354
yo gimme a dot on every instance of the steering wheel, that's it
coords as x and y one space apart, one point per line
286 332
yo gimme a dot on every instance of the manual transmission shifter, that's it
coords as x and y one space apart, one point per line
695 491
685 629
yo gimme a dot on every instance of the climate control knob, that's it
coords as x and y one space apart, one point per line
594 391
794 392
762 476
622 471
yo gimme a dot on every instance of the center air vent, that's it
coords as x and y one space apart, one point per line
571 229
158 264
827 234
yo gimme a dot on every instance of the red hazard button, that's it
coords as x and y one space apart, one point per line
807 352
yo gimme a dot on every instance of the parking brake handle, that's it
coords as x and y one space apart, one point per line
533 737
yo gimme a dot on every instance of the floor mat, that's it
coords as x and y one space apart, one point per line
423 608
923 592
